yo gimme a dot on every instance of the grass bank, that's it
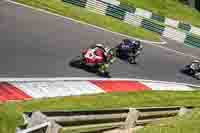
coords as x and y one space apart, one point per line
186 124
168 8
10 113
78 13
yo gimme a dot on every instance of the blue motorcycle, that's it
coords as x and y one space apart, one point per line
128 50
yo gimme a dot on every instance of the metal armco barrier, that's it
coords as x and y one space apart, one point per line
192 41
184 26
152 26
174 34
81 3
105 119
142 18
115 11
158 18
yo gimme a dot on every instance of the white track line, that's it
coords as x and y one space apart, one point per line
81 22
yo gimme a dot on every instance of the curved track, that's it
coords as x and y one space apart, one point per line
35 44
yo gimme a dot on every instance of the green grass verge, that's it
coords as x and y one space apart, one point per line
186 124
168 8
10 112
65 9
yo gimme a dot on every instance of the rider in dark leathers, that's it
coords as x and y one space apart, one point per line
129 48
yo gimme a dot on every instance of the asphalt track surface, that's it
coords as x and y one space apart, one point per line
36 44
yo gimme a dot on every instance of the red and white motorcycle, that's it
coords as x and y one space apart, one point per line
87 62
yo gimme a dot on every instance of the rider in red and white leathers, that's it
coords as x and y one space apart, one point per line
95 55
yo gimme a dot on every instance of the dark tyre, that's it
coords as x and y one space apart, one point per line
76 62
185 70
132 60
104 75
107 75
188 70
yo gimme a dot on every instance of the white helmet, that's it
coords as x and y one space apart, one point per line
100 45
196 61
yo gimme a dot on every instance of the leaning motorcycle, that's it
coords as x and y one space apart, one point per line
128 55
101 69
192 70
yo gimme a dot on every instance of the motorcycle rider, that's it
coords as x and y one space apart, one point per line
99 55
134 45
196 65
129 49
96 54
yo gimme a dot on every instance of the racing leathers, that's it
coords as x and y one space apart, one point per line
97 55
94 56
131 46
100 56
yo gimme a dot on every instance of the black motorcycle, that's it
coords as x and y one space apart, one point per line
192 69
129 54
